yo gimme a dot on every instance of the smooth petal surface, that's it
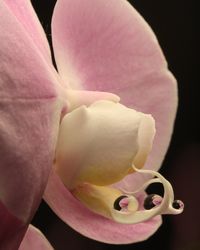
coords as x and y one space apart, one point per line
107 46
29 120
26 16
90 224
34 240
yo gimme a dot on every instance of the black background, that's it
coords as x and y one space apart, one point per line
176 25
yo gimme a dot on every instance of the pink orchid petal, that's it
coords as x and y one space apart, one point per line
30 113
24 72
12 229
27 136
90 224
107 46
25 14
34 240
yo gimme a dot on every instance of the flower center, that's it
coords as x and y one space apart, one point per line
97 147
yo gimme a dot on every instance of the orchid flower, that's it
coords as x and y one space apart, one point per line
91 137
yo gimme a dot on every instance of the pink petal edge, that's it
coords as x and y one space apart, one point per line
34 240
90 224
25 14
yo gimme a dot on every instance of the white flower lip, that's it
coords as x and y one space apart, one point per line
98 146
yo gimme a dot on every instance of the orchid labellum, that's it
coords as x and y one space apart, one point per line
90 137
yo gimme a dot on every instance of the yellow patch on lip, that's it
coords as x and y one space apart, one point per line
101 200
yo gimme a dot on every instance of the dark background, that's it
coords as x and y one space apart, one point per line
176 26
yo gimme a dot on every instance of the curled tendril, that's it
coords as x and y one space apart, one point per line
166 205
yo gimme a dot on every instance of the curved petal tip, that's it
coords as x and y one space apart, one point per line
34 239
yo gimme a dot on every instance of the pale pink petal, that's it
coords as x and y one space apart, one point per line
30 113
23 70
90 224
28 131
25 14
107 46
34 240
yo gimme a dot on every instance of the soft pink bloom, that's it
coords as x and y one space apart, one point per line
100 47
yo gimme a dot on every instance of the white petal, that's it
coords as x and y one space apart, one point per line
98 144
